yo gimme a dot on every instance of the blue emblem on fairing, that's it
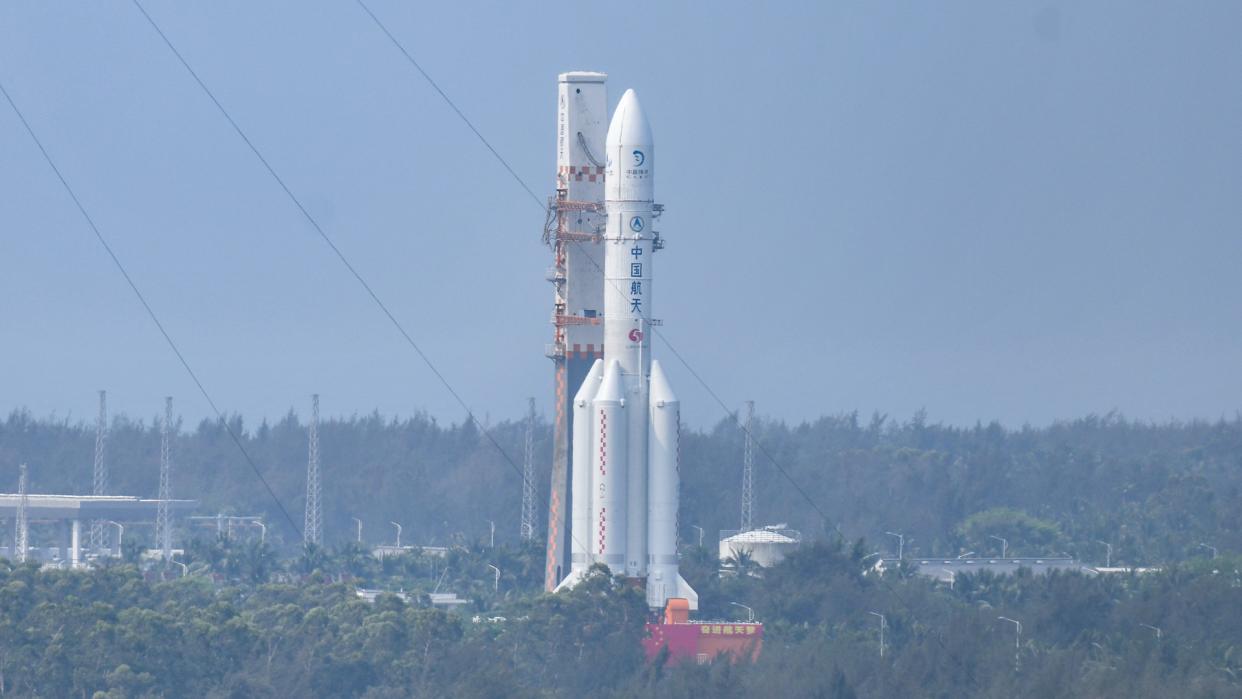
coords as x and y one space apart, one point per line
639 158
636 224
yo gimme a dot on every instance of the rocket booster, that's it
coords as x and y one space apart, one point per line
630 490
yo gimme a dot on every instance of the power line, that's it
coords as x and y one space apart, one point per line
759 444
150 312
451 104
332 245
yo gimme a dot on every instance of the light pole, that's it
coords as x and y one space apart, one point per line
695 526
1210 548
1153 628
359 523
1017 640
185 569
262 531
883 624
496 585
120 534
901 544
1108 559
749 611
1004 544
870 555
398 526
491 540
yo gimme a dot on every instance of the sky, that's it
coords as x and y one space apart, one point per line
1021 212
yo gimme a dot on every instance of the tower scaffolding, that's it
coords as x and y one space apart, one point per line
748 470
573 230
312 531
99 486
163 529
21 533
528 478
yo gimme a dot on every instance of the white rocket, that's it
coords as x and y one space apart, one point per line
626 485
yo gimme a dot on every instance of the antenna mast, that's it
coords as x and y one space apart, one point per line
528 478
748 470
21 537
313 522
100 480
163 533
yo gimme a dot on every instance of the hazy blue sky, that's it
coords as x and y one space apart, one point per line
1013 211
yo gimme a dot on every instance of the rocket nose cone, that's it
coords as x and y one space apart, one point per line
629 124
660 389
610 388
590 385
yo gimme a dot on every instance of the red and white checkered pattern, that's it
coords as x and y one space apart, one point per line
603 471
580 173
591 351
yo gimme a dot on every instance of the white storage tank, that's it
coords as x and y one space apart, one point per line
766 547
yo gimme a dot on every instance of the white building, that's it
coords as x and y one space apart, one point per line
766 547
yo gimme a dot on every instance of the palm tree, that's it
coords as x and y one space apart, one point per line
743 562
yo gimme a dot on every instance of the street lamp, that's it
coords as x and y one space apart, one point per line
359 522
496 585
695 526
901 544
491 541
1108 560
398 526
262 530
1004 544
870 555
185 569
749 611
964 555
1210 548
1153 628
883 624
1017 641
120 534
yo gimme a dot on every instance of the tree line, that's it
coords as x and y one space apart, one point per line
297 628
1154 493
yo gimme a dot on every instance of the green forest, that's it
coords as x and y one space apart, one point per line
1154 492
251 618
274 630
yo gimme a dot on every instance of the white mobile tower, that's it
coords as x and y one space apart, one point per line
574 232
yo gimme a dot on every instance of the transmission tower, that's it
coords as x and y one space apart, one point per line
312 530
163 530
748 470
99 533
21 533
528 478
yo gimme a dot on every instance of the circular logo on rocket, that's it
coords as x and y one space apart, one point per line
639 158
636 224
636 335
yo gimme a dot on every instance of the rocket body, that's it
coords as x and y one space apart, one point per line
629 202
634 482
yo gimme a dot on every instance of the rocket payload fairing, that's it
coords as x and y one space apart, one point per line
626 485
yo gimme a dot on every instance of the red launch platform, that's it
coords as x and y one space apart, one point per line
701 642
